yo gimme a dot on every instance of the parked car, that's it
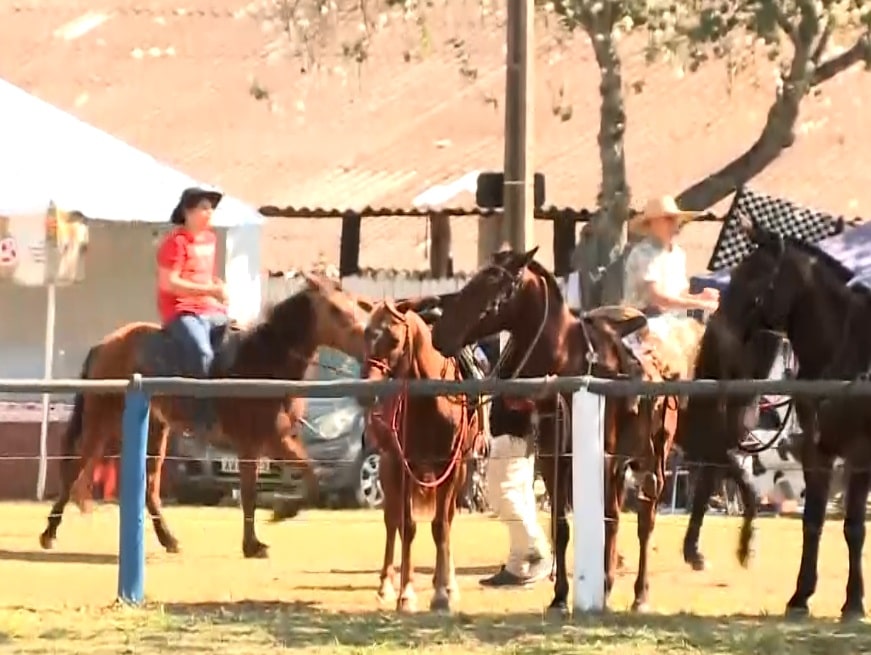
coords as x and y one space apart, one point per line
333 429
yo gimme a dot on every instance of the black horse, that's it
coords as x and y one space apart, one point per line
793 287
711 431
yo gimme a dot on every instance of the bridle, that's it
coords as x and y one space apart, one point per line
397 423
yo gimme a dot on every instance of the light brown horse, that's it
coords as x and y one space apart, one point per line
517 294
425 441
280 346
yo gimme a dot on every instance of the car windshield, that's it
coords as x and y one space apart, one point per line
329 418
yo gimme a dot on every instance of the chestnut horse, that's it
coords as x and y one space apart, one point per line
281 346
423 462
515 293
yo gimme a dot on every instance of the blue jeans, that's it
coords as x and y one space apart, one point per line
197 334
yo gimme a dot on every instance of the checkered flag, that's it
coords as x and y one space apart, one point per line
774 214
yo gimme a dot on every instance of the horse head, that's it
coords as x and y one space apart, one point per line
487 304
321 314
394 335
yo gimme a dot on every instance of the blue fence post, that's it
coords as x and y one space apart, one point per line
131 548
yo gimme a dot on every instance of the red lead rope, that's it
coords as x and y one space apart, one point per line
397 425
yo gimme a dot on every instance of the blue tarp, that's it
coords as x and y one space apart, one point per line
47 155
852 248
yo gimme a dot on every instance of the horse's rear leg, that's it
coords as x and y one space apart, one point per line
252 547
99 423
158 436
69 468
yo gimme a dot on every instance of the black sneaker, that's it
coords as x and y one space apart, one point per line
504 578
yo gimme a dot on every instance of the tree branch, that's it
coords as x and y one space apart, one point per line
859 52
823 43
784 22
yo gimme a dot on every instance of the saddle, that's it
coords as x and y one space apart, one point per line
162 355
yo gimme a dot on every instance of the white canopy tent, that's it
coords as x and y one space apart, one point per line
50 156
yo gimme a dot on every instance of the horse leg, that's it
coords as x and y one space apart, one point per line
559 604
706 481
290 452
615 478
441 536
392 508
95 432
159 436
646 521
738 475
817 479
251 546
407 601
69 469
858 482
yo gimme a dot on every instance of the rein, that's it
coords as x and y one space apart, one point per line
397 423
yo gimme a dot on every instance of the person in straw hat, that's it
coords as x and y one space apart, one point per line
656 271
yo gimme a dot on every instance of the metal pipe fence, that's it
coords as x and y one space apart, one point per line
587 439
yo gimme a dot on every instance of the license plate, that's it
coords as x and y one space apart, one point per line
231 465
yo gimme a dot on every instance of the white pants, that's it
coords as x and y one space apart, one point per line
510 475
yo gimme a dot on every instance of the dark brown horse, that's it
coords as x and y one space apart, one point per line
425 442
514 293
711 432
281 346
794 287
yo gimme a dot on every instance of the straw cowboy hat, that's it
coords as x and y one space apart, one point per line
663 207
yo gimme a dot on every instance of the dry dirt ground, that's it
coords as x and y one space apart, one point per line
317 592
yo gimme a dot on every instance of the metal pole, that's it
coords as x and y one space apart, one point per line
131 546
518 222
48 368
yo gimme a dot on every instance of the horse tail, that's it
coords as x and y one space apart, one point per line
74 426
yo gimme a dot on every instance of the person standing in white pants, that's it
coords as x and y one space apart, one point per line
510 478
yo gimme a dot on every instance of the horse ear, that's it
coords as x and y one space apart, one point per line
530 255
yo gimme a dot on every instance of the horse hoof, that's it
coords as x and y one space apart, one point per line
640 607
406 605
440 604
745 557
386 594
557 611
852 615
796 613
172 547
46 541
696 561
255 550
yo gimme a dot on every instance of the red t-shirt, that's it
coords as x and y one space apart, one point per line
193 255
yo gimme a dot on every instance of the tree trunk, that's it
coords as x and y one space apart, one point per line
779 131
597 257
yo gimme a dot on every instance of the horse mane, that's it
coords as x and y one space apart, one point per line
812 250
549 277
289 319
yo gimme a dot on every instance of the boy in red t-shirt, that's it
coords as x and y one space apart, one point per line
191 299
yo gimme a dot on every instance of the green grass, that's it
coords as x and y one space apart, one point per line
316 593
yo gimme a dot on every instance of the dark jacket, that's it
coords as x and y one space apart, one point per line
508 421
